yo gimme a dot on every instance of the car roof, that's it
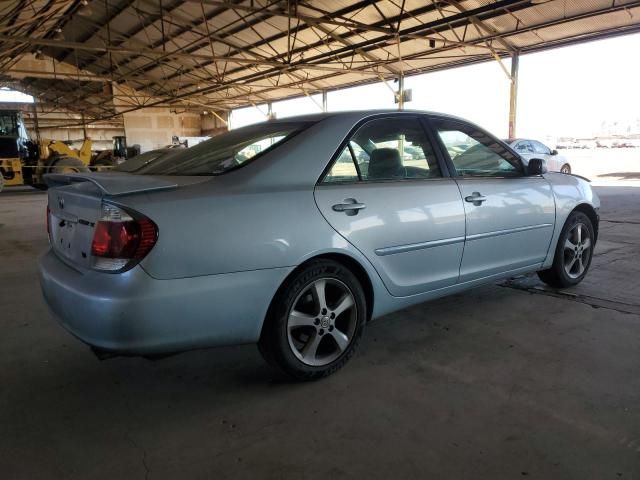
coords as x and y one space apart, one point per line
361 114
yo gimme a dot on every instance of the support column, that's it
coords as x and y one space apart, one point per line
325 107
84 126
401 92
270 115
35 119
513 94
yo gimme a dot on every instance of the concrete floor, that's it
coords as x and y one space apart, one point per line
507 381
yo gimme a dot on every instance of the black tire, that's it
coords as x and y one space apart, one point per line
557 276
566 168
278 341
68 165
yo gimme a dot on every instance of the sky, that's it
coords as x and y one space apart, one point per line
568 91
7 95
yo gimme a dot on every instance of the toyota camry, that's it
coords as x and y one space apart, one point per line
295 233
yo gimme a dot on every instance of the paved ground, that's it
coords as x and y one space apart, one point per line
508 381
605 166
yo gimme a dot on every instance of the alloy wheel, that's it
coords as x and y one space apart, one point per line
577 250
322 322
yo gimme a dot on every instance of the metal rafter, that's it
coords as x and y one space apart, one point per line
168 55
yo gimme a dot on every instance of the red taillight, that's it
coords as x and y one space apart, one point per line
120 239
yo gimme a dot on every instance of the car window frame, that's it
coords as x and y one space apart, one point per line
433 119
346 143
335 161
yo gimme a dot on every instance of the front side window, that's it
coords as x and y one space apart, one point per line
393 148
8 124
540 148
474 153
225 152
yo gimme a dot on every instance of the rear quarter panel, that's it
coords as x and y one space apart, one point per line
211 229
205 230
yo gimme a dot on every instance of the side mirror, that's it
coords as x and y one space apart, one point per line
536 167
554 152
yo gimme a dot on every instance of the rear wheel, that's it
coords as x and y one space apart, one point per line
566 168
68 165
315 322
573 253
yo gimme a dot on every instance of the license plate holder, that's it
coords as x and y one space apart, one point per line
65 237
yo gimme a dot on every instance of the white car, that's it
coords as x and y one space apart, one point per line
529 149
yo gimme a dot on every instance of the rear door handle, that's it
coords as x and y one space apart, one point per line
349 207
476 198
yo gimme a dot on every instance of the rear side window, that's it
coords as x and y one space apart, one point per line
227 151
344 169
392 148
475 153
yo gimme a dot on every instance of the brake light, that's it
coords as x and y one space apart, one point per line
121 239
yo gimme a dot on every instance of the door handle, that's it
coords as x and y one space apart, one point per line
349 207
475 198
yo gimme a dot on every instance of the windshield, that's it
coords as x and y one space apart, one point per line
224 152
8 124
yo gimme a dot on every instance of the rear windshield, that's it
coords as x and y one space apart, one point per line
140 161
225 152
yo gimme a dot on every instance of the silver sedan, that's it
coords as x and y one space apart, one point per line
294 233
528 149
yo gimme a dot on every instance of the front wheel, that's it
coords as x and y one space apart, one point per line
315 321
566 168
573 253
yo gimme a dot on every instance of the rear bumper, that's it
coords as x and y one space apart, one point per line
133 313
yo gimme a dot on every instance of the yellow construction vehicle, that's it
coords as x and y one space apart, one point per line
25 162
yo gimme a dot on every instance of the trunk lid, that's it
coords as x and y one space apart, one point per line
75 206
73 213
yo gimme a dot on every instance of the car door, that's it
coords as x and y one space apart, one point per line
387 193
509 216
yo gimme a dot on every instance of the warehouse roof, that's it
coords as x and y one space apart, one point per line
90 55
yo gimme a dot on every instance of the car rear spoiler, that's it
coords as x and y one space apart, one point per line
113 183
